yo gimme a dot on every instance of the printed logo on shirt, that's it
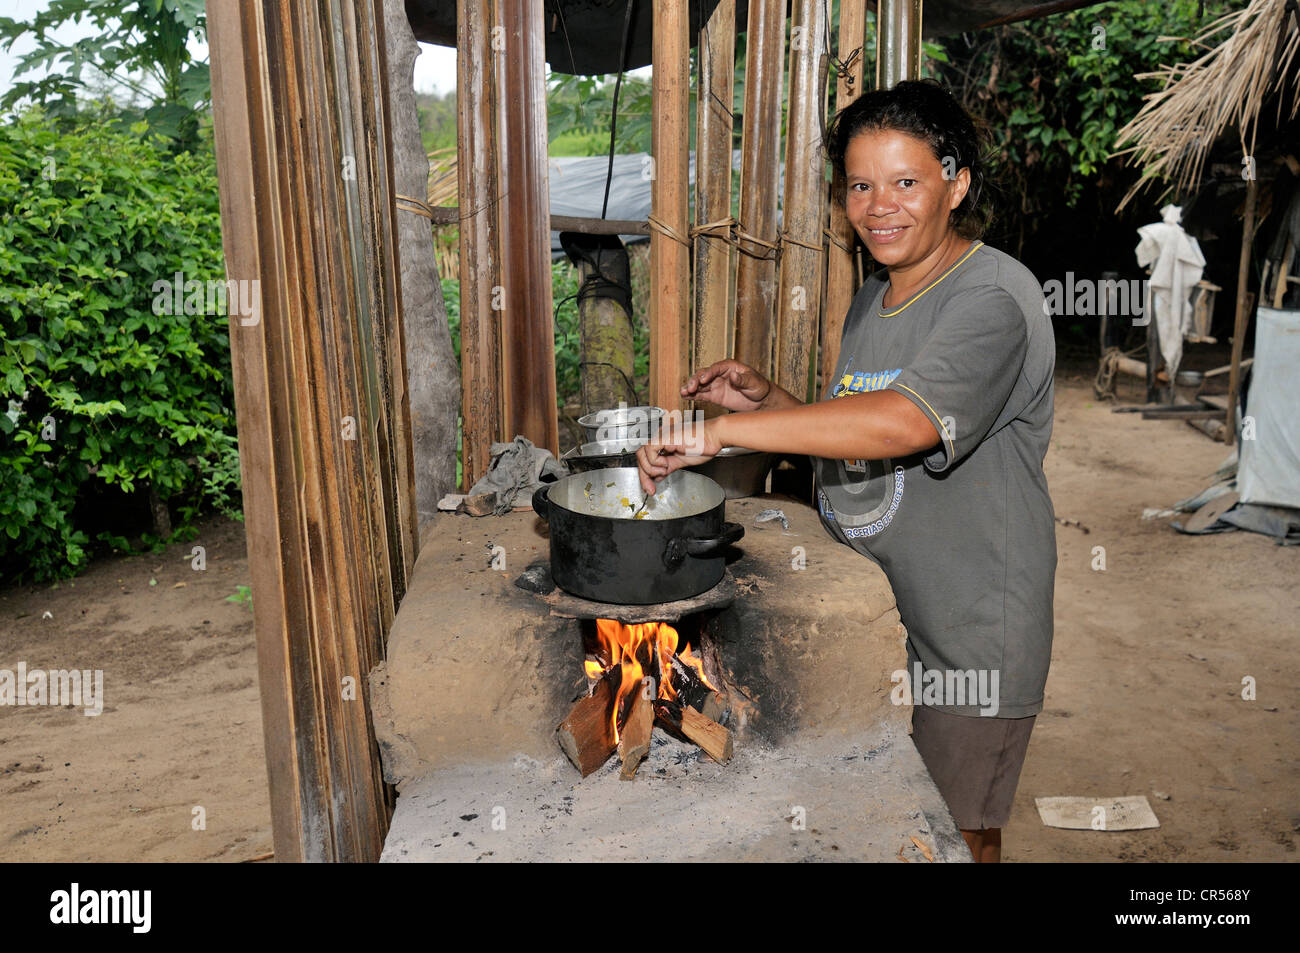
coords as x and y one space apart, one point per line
862 382
862 504
861 497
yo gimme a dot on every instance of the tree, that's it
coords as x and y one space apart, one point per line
140 48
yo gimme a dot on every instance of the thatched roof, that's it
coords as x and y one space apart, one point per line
1250 55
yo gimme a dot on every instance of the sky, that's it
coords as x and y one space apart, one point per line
435 67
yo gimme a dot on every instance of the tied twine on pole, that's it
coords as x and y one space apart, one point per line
407 203
729 231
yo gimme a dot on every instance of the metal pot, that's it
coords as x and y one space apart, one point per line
739 471
621 423
673 550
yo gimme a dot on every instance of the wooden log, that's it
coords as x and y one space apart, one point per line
1130 366
713 135
634 741
841 265
586 735
433 377
480 342
604 321
760 156
1212 428
692 691
523 228
1244 301
670 273
713 739
802 259
1180 413
1279 287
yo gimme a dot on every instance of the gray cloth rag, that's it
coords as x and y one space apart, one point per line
518 468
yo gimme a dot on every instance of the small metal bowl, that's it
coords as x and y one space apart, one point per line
600 454
621 423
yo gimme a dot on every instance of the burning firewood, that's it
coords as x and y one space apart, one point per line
587 734
692 691
712 738
634 740
638 680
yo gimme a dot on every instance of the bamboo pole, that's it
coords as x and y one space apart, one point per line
898 42
1242 317
713 134
841 267
756 278
802 259
523 227
480 357
669 254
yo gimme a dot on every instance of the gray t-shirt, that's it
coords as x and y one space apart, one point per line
965 532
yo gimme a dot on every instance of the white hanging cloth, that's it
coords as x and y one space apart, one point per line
1175 262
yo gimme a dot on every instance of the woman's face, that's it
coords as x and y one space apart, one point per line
898 199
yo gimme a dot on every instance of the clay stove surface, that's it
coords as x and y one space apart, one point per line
479 673
862 799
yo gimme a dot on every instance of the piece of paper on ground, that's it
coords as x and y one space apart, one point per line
1097 813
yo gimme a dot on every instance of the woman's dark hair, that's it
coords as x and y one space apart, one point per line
925 110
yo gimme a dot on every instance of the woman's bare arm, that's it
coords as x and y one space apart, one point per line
871 426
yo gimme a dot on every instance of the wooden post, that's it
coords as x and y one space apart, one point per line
713 135
760 156
841 267
430 362
523 226
605 322
802 261
480 276
1242 317
300 120
669 254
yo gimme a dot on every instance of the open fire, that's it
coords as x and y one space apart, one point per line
637 679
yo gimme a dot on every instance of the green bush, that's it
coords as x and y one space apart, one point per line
108 394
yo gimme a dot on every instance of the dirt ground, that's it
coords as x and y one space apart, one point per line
1144 695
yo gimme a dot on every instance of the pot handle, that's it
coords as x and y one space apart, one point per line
713 545
542 502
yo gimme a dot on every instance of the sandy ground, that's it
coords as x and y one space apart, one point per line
1144 695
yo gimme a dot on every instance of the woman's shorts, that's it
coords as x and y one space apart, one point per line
975 762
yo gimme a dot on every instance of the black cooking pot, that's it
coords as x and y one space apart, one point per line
673 548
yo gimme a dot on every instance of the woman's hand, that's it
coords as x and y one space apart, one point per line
729 384
678 444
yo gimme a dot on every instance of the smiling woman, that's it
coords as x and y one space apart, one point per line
928 444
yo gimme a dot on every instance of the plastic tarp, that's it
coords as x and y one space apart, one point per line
1269 473
577 185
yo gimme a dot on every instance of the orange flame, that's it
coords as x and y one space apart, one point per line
633 649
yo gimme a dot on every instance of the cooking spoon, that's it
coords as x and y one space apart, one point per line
645 497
